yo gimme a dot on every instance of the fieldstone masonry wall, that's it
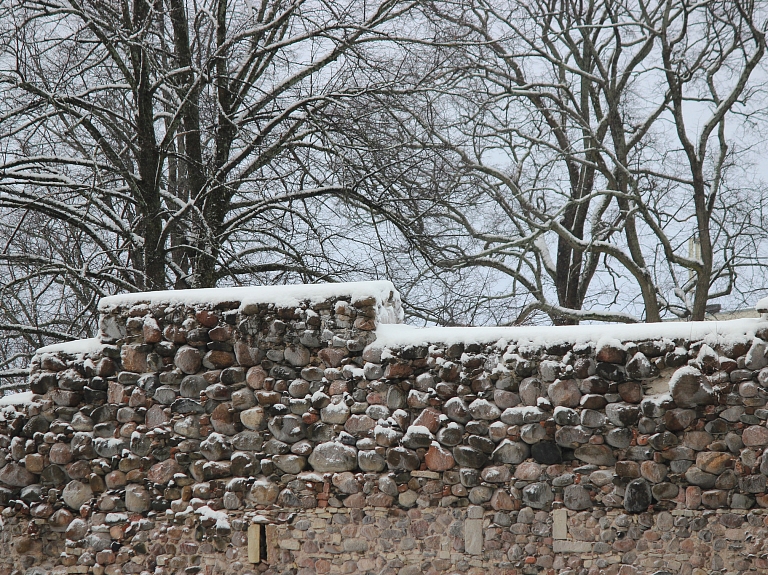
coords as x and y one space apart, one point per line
255 431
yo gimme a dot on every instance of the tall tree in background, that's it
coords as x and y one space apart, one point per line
578 149
149 144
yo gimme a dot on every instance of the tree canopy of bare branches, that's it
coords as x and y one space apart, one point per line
150 144
595 155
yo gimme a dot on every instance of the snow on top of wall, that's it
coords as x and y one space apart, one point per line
384 292
23 398
762 305
392 336
84 346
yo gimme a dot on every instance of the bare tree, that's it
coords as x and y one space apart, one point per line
157 143
589 152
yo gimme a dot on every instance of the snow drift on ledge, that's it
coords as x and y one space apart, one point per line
391 333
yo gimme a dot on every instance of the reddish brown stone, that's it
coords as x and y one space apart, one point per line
60 454
438 458
207 318
692 497
255 377
216 359
16 475
188 359
631 391
115 480
755 436
133 359
398 370
380 500
221 333
714 462
175 334
164 471
156 417
115 393
34 462
106 367
359 424
222 419
246 355
332 356
151 331
365 323
267 397
611 353
429 418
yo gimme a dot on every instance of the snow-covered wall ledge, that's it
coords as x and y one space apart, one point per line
197 414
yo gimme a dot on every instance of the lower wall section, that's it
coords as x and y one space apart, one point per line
379 541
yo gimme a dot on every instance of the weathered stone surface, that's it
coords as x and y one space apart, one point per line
469 457
484 410
689 388
16 475
164 471
595 454
546 452
577 498
755 436
713 462
509 451
287 428
188 359
622 414
637 496
76 494
564 392
572 436
538 495
136 498
333 456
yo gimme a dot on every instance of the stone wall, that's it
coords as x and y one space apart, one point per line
295 431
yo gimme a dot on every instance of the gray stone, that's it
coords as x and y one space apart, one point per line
76 494
293 464
417 436
457 410
756 358
622 414
484 410
215 447
637 496
136 498
537 495
689 388
564 392
333 457
512 452
572 436
596 455
577 498
566 416
592 418
287 428
371 462
531 389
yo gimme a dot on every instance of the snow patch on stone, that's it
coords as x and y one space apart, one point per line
84 346
389 309
711 332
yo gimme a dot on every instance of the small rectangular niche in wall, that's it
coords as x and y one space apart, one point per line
257 543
